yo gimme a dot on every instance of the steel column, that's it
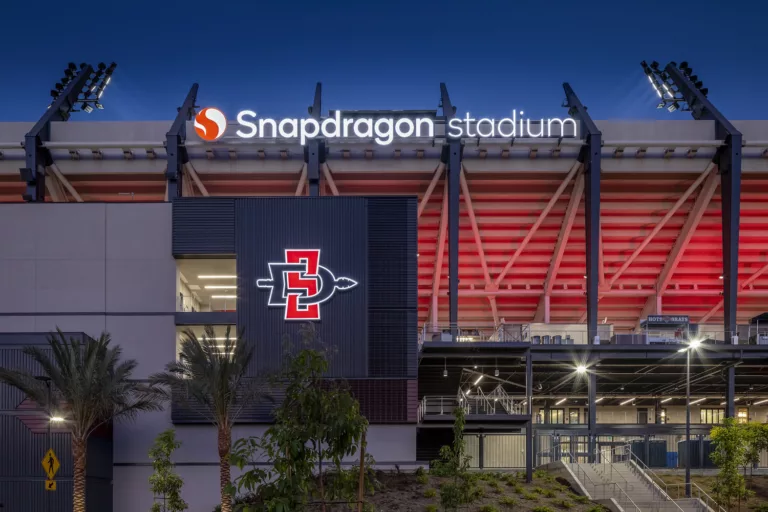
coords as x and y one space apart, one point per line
314 151
37 158
174 145
589 156
529 449
728 159
730 393
452 159
481 450
591 415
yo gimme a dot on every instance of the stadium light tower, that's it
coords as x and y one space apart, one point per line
89 94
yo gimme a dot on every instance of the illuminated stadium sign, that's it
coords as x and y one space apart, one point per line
211 124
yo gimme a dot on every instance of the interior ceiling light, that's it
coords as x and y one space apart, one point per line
220 286
561 401
217 277
223 296
698 400
625 402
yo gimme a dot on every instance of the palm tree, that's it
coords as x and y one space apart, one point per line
211 375
89 386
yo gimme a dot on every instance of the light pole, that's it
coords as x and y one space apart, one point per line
692 345
47 381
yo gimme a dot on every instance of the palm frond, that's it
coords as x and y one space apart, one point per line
212 374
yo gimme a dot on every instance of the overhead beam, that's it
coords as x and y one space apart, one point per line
302 181
198 182
689 228
751 279
451 157
329 179
36 157
430 188
542 216
314 150
55 189
437 274
174 145
728 158
590 157
478 243
659 225
54 169
543 310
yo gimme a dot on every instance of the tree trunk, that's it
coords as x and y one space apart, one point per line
78 454
225 443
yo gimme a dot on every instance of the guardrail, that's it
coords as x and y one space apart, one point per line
697 493
617 493
644 471
505 333
478 404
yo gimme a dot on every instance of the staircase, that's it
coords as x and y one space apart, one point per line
620 476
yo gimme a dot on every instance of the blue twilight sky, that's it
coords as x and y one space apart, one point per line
373 54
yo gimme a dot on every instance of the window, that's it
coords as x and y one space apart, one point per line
742 416
557 415
642 416
712 416
664 415
573 416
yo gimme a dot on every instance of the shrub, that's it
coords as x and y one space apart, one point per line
430 508
430 493
538 490
495 486
507 501
548 493
540 473
583 500
530 496
423 479
563 503
419 471
596 508
762 507
542 509
518 489
488 508
477 493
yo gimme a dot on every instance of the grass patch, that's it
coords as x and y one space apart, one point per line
581 500
488 508
562 503
530 496
431 508
422 478
430 493
542 509
507 501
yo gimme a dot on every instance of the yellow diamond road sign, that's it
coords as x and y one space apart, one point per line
50 465
50 485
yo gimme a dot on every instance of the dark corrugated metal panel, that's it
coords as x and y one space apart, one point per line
21 451
256 411
430 440
335 225
31 496
203 226
392 268
382 400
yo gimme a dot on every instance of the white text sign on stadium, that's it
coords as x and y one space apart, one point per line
211 124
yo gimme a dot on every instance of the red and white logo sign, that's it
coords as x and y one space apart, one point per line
210 124
300 284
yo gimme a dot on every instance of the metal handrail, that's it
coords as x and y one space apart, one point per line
637 462
604 484
610 465
708 500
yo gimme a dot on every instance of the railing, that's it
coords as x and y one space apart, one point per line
617 493
477 404
677 492
603 455
507 333
643 471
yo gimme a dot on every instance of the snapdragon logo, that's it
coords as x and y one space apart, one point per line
383 129
210 125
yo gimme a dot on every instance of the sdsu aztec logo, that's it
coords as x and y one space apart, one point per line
300 284
210 124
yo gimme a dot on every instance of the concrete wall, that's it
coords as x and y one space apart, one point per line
675 414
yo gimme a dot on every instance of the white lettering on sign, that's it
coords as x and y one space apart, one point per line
210 125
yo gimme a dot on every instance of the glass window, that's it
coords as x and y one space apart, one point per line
664 415
573 416
742 416
712 416
557 415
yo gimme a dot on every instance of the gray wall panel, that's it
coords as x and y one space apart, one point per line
24 244
139 232
146 286
17 278
70 231
69 286
93 325
150 340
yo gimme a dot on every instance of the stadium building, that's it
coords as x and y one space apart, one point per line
557 277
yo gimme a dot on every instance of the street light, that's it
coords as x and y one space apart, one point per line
581 369
692 346
47 381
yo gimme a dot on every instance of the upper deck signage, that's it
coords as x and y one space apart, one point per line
211 124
